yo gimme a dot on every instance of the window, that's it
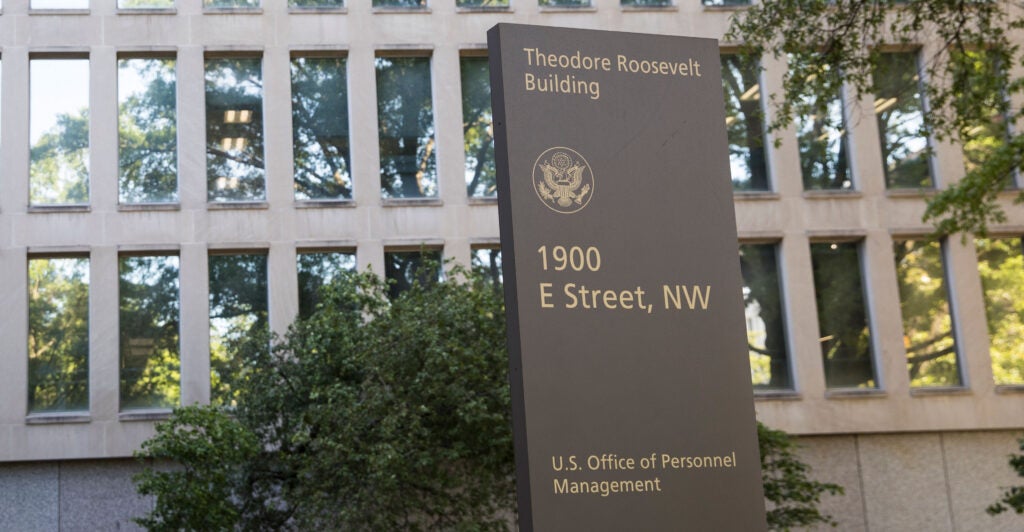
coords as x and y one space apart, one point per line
844 333
989 132
59 130
821 129
59 4
401 4
231 3
646 3
762 299
744 122
476 127
502 4
234 129
718 3
316 3
403 269
147 130
1001 265
927 324
487 261
145 4
150 323
238 313
58 334
899 108
317 269
320 140
564 3
405 116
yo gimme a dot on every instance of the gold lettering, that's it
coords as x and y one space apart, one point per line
545 295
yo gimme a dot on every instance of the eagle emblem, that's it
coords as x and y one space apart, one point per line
563 180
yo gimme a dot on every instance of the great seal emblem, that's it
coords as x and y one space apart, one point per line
563 180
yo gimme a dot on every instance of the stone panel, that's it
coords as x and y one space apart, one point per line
976 463
28 496
904 483
834 459
99 495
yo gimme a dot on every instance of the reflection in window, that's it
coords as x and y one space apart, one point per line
234 129
149 321
59 4
726 2
316 3
320 137
482 3
476 126
821 137
927 324
238 310
147 130
145 4
317 269
58 334
59 131
762 299
564 3
403 269
1001 265
899 110
987 133
842 315
487 261
404 4
405 116
744 122
231 3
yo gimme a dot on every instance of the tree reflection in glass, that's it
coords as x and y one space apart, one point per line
403 269
58 334
762 298
235 169
317 269
1001 265
405 117
744 122
899 110
924 304
844 334
482 3
231 3
320 139
147 130
149 321
59 131
406 4
476 127
145 4
821 129
487 261
316 3
238 309
984 135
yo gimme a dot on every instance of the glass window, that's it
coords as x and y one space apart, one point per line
476 126
1001 265
59 4
403 269
744 122
317 269
899 108
234 129
405 116
145 4
726 2
762 298
821 132
991 131
147 130
316 3
403 4
59 131
482 3
564 3
320 140
927 324
150 323
487 261
238 310
647 3
231 3
58 334
844 333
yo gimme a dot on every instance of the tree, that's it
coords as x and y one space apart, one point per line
967 81
793 497
1013 497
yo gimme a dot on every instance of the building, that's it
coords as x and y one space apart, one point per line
231 149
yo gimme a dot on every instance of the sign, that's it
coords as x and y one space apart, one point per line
632 401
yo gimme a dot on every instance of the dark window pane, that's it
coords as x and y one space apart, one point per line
647 3
59 131
409 4
234 129
564 3
149 321
1001 265
744 122
320 128
481 3
762 298
316 3
238 309
147 131
842 315
487 261
476 126
58 334
927 324
317 270
821 132
403 269
899 109
405 116
986 133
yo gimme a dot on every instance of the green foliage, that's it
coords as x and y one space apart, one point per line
793 497
1013 497
58 334
964 89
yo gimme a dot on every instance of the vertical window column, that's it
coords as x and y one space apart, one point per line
899 109
147 130
405 118
235 165
744 122
821 127
320 128
477 131
238 313
765 318
59 129
1001 266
